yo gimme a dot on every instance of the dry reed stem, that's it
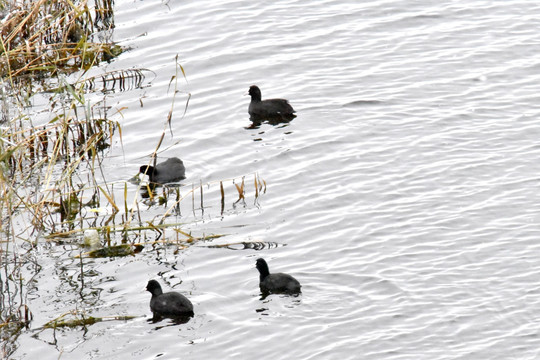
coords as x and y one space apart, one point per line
51 36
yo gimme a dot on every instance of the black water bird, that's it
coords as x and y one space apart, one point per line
171 170
277 283
169 304
278 110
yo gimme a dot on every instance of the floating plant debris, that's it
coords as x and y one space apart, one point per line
82 321
115 251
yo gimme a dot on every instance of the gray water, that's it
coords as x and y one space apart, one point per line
404 197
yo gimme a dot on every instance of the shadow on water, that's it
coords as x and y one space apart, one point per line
151 191
280 119
265 294
246 245
178 320
286 301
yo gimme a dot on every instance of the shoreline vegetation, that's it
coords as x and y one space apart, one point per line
50 170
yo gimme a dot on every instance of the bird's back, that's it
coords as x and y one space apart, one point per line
271 108
280 283
170 170
171 304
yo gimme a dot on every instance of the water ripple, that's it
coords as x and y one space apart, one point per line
405 190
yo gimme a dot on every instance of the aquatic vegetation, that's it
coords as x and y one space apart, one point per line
44 38
80 319
52 185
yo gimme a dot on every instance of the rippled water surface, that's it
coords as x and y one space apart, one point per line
404 197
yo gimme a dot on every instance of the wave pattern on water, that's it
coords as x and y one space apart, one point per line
405 190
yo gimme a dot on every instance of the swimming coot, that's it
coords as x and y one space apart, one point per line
168 171
170 304
277 283
270 108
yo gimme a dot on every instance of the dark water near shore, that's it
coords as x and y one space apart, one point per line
404 197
